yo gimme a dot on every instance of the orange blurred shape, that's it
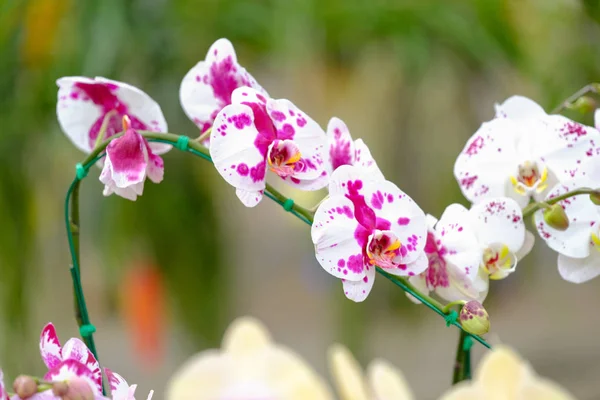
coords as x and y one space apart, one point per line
42 18
143 312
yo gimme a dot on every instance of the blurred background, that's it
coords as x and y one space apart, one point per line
165 275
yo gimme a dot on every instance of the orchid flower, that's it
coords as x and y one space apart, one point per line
58 359
344 151
523 152
119 387
454 258
67 370
579 245
209 85
88 108
501 235
249 365
465 248
367 222
502 374
129 160
256 133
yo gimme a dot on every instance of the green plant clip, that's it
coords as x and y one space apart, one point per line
288 205
183 143
80 171
451 318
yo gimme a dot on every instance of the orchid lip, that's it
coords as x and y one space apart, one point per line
498 261
529 179
383 249
282 157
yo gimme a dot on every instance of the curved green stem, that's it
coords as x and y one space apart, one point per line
196 148
533 207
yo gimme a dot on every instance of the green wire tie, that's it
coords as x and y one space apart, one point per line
451 318
467 343
288 205
80 171
182 143
87 330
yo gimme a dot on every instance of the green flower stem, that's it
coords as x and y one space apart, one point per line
448 306
196 148
204 136
591 88
533 207
462 366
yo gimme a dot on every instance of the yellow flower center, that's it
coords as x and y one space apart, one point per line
283 156
498 262
529 178
383 248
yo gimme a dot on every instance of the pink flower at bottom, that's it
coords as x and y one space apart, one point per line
54 355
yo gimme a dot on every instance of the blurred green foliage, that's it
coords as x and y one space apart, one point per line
151 44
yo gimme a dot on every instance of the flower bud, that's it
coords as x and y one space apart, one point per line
474 319
595 197
75 389
584 104
25 386
556 217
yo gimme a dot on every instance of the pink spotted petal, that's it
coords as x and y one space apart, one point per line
397 212
209 85
236 149
68 369
460 287
340 145
249 199
118 385
518 107
569 150
333 233
358 291
584 218
484 167
597 118
308 184
411 269
50 348
127 159
338 182
365 160
579 270
156 167
75 349
293 124
456 243
83 103
498 221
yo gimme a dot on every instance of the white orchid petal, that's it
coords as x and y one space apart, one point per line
517 107
358 291
579 270
233 150
498 221
332 232
488 160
